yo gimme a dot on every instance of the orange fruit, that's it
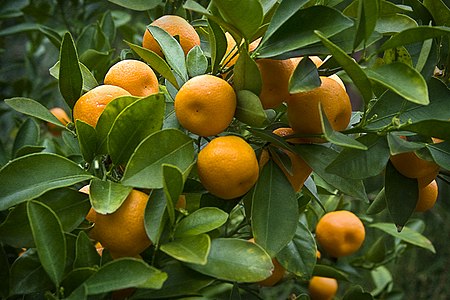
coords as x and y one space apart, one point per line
277 272
340 233
231 55
303 108
228 167
62 116
322 288
134 76
175 26
205 105
338 79
410 165
123 232
90 106
428 193
275 76
299 168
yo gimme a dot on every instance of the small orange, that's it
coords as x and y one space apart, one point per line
181 203
123 232
205 105
340 233
410 165
62 116
303 108
428 193
227 167
275 76
90 106
300 169
175 26
322 288
134 76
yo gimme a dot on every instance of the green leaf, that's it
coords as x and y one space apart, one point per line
155 215
361 164
299 255
329 271
246 16
33 108
15 230
441 154
70 78
218 45
171 49
246 74
173 186
75 278
249 109
191 249
201 221
27 275
139 5
87 139
413 35
196 62
399 54
4 273
435 128
133 124
236 260
156 62
89 81
351 67
366 20
28 135
378 204
86 254
305 77
45 171
168 146
357 293
274 210
403 80
124 273
49 239
401 195
289 36
336 137
318 158
407 235
394 23
439 10
107 196
398 145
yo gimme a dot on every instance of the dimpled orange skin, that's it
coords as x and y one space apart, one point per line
340 233
90 106
227 167
275 76
205 105
300 169
303 108
123 232
134 76
174 25
410 165
428 193
322 288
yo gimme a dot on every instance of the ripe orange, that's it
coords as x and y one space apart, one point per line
175 26
134 76
205 105
123 232
90 106
338 79
428 193
62 116
303 108
300 169
275 76
340 233
410 165
228 167
322 288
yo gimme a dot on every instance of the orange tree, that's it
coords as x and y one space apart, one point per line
169 211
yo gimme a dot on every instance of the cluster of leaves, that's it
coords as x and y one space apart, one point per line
138 143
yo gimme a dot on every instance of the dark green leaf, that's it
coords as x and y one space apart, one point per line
357 293
441 154
89 81
107 196
15 230
398 145
299 255
45 171
305 77
70 78
139 5
439 10
329 271
377 251
87 139
108 27
49 239
4 273
407 235
401 195
236 260
246 74
155 215
173 186
249 109
28 135
394 23
196 62
168 146
75 278
86 254
378 204
435 128
218 45
191 249
133 124
274 210
366 20
201 221
33 108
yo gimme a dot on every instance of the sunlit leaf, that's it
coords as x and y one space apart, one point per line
201 221
191 249
107 196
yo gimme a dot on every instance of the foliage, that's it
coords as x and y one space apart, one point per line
394 59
